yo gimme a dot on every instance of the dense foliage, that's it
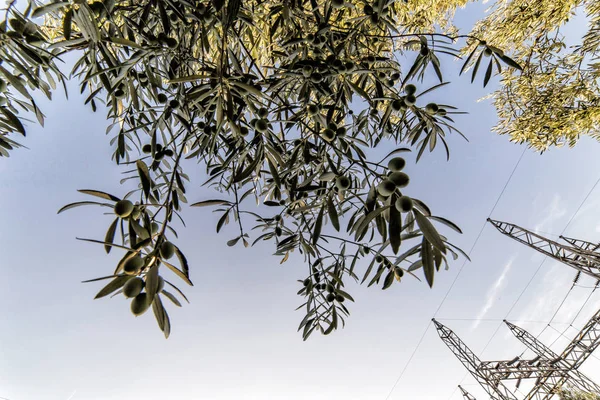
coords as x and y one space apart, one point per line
556 99
282 104
569 394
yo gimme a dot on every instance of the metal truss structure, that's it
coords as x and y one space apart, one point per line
578 254
550 370
466 394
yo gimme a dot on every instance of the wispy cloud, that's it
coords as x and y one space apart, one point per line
552 213
493 293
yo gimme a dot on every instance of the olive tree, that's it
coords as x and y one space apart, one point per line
555 100
570 394
281 103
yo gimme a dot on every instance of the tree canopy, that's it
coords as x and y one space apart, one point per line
284 105
556 98
570 394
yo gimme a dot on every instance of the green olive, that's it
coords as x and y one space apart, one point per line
396 164
123 208
133 287
140 304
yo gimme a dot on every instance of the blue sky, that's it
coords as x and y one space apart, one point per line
238 340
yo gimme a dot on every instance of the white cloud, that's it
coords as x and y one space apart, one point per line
552 213
493 293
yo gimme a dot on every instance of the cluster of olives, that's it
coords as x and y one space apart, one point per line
404 102
261 124
332 131
163 98
166 40
159 153
381 260
329 288
389 79
395 180
434 109
125 209
135 264
409 100
208 129
134 287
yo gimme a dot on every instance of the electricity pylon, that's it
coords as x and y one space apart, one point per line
484 376
550 369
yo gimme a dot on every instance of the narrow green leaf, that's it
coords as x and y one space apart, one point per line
207 203
110 235
124 42
364 224
152 281
113 285
171 297
467 60
447 223
488 72
511 63
429 231
333 214
82 203
427 258
395 228
178 272
416 265
144 176
99 279
317 227
100 194
233 242
184 265
178 291
476 67
389 279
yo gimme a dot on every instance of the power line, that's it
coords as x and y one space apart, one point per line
553 316
574 282
500 320
457 275
576 315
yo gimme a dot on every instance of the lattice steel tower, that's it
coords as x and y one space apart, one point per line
550 370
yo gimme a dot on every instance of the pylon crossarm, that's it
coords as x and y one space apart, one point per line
523 369
581 260
581 244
